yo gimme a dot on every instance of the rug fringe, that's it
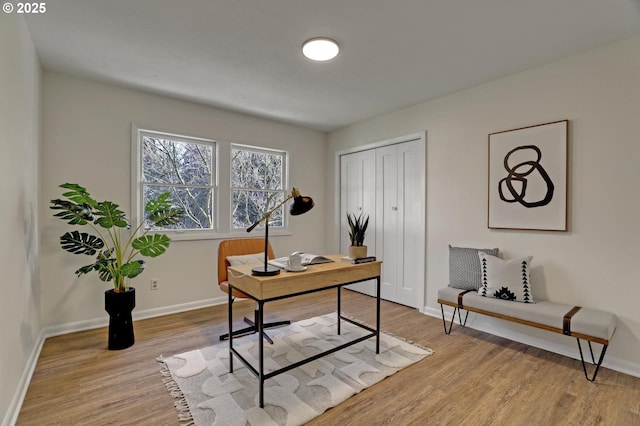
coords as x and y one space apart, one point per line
184 412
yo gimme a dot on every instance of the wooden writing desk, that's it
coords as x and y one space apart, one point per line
290 284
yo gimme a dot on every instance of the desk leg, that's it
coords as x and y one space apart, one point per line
230 315
339 301
260 326
378 315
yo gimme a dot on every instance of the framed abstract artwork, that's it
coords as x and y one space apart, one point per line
528 169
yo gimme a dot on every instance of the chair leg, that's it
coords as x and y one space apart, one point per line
253 329
276 324
265 326
239 333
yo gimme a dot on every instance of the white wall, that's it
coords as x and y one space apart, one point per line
86 140
19 142
592 265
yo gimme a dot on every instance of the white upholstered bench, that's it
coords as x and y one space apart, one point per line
582 323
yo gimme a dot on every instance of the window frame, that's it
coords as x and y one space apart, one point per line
221 175
137 183
284 186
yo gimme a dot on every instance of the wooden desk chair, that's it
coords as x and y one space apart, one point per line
242 246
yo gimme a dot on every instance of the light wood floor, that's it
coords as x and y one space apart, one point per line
472 378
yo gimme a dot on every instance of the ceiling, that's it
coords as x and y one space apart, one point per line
244 55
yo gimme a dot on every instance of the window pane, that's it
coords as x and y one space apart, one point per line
178 163
249 206
273 171
257 170
196 202
257 185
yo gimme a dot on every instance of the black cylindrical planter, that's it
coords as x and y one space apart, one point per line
119 306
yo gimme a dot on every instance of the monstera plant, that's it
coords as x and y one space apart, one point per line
116 248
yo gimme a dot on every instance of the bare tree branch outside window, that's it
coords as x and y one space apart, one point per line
185 170
185 167
257 184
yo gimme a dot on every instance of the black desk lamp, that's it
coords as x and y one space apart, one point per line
300 205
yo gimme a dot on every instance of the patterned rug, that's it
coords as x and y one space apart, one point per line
207 394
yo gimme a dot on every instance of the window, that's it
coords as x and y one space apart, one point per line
184 167
257 184
222 187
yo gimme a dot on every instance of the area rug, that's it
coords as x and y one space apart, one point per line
207 394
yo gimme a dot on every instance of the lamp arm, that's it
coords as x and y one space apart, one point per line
268 213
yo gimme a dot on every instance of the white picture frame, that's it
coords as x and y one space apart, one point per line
528 174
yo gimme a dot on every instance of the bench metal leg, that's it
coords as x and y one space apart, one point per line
453 317
593 359
463 324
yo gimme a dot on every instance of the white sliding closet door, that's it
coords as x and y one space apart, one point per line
400 236
357 195
388 184
387 212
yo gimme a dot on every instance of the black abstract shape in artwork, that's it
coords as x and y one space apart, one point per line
516 174
504 294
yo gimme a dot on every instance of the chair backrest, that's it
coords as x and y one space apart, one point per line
238 247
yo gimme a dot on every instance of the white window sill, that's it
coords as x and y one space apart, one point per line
212 235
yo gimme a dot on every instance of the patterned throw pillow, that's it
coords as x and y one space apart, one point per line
464 267
505 279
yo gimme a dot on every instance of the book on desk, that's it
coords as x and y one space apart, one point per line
357 260
306 260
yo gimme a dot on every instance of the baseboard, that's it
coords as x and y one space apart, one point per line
11 416
493 326
73 327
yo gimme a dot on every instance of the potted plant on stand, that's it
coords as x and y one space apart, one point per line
357 231
115 248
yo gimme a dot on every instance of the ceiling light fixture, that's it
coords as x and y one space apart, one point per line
320 49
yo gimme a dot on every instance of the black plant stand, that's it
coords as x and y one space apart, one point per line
119 306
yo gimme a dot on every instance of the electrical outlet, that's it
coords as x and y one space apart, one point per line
155 284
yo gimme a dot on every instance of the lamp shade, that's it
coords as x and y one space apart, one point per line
300 204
